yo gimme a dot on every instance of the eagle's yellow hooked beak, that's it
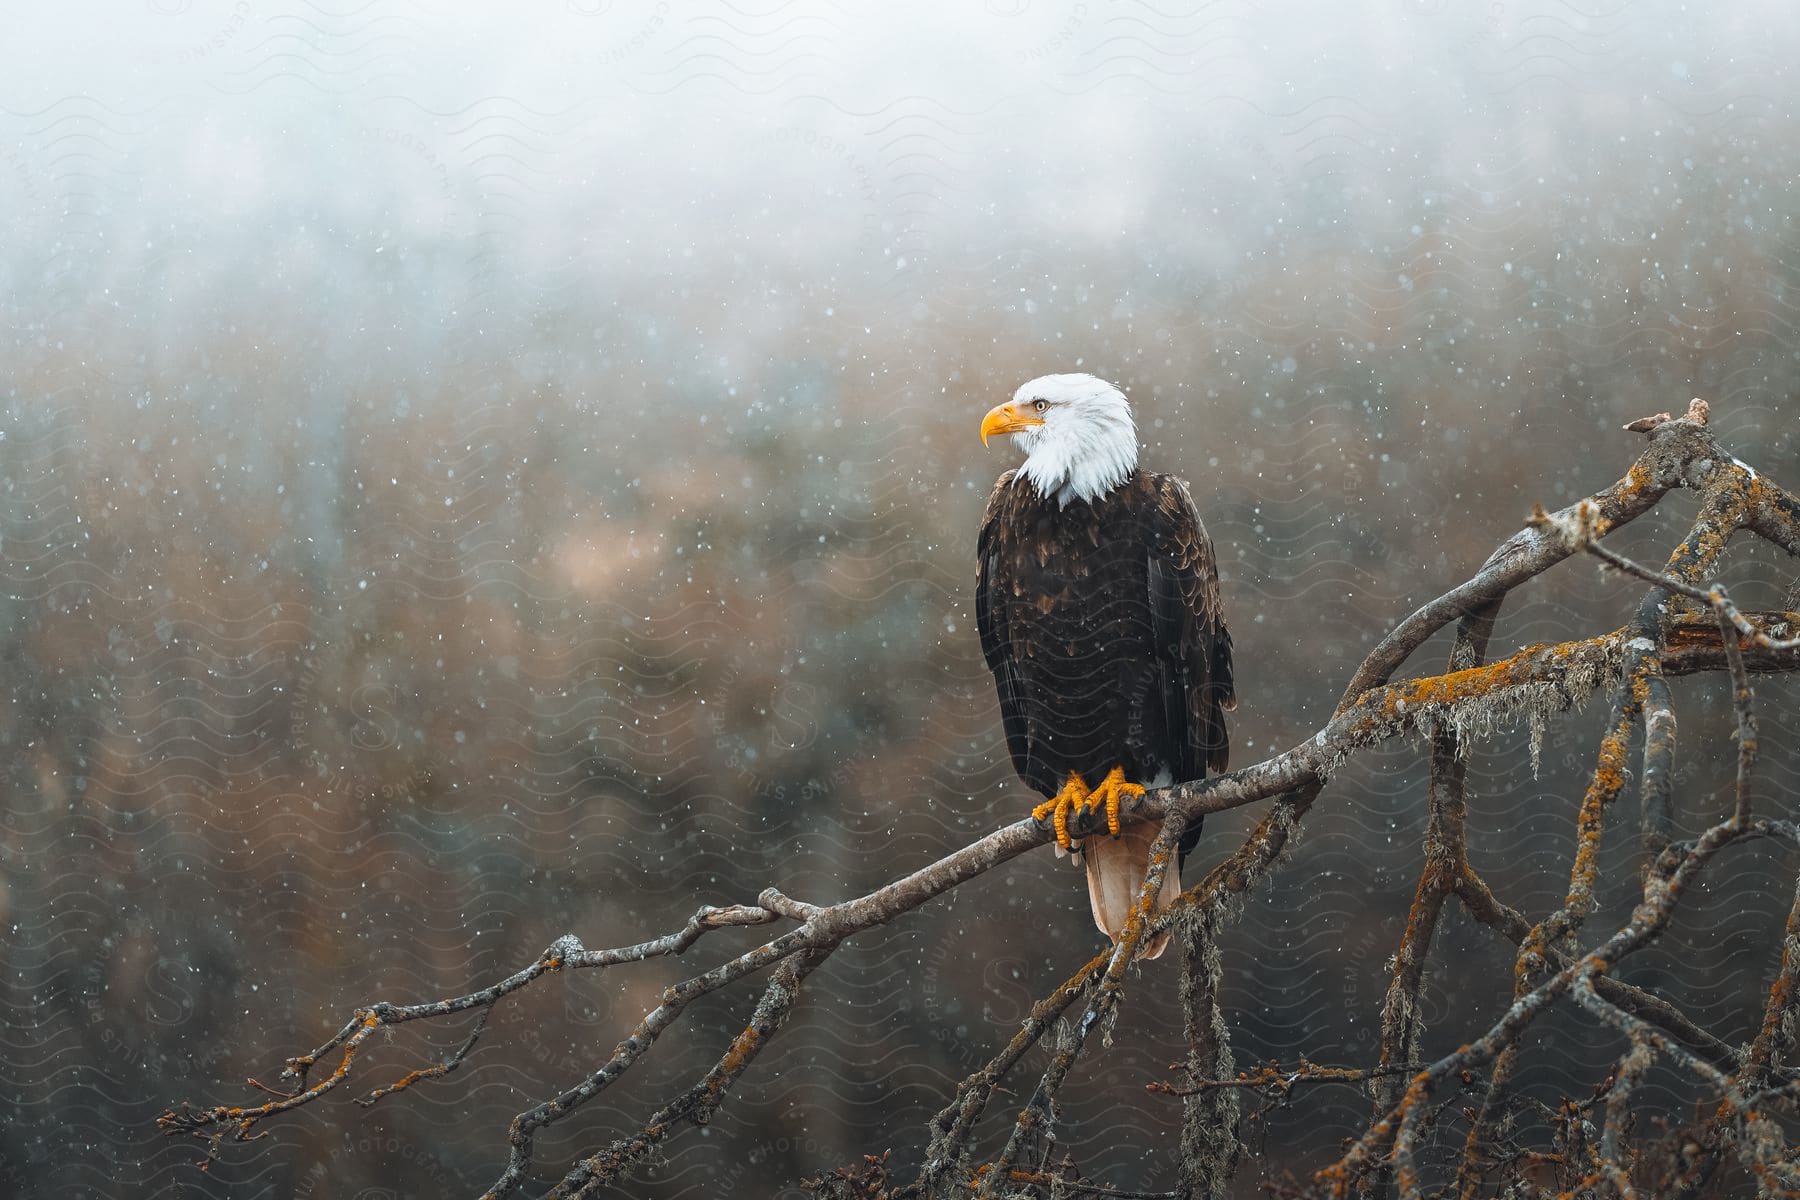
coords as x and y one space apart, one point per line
1007 418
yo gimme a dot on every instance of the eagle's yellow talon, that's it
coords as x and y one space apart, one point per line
1112 791
1056 810
1076 796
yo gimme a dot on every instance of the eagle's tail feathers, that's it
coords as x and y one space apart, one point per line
1116 867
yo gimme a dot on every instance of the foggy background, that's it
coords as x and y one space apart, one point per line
467 477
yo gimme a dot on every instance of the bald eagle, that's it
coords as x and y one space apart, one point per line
1098 606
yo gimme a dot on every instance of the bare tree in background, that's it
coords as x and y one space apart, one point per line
1598 1147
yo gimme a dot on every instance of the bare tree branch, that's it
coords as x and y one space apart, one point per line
1664 639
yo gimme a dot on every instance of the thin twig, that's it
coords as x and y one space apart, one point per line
436 1070
1274 1077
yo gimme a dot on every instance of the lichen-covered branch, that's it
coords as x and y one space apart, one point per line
1686 624
1667 881
1211 1116
1035 1119
1446 873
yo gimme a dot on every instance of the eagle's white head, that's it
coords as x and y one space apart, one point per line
1077 433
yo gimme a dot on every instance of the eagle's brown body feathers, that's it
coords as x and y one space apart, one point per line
1103 626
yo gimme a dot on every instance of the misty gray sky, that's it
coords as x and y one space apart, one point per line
555 147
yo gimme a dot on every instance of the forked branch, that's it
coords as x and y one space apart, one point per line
1704 632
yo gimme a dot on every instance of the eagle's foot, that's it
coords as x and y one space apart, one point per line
1111 793
1076 801
1058 809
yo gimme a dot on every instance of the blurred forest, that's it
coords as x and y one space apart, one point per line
469 479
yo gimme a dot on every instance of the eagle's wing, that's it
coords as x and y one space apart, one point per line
1193 645
990 620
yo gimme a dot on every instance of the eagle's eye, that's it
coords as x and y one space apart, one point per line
1040 405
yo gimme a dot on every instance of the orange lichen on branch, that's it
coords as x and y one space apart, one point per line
405 1081
436 1070
743 1048
1639 481
198 1122
1781 998
1610 769
1480 696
